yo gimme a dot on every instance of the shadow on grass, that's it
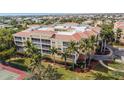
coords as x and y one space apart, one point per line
100 68
100 76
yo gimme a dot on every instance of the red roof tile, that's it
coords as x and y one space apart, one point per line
43 32
64 37
77 36
52 34
22 33
119 25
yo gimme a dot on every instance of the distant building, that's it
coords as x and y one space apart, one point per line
5 25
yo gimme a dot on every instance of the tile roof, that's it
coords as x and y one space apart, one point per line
63 37
23 33
83 35
43 32
119 25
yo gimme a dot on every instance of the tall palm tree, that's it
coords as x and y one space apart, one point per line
64 56
87 48
81 47
34 54
92 45
107 35
72 49
82 50
53 52
118 35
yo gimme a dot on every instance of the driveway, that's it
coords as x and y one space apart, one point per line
114 52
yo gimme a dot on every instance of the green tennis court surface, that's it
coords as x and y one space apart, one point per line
10 73
7 75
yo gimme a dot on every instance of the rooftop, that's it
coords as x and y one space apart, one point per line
119 24
61 31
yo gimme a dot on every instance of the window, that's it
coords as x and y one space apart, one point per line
23 38
35 40
53 42
45 41
18 38
65 43
59 49
46 51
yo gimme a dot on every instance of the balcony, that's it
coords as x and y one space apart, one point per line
65 44
18 38
44 41
19 43
35 40
46 51
46 47
38 46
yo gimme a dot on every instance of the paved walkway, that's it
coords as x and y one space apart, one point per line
110 68
108 57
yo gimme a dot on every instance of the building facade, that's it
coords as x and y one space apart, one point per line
59 36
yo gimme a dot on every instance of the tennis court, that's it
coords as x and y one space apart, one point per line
9 73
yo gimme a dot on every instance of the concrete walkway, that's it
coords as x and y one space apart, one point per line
110 68
108 57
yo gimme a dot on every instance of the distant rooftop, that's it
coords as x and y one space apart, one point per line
65 29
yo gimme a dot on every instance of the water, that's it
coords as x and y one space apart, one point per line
31 14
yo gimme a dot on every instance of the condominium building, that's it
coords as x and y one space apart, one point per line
59 36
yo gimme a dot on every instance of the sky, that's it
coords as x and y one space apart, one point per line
61 6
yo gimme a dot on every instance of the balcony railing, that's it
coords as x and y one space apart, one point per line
65 44
35 40
46 43
18 38
46 51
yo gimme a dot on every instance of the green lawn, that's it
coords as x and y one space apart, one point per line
71 75
118 45
117 65
99 72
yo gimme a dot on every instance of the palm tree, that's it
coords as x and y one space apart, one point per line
81 47
118 34
34 54
31 49
64 56
82 50
92 45
39 71
87 48
72 49
53 52
107 35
